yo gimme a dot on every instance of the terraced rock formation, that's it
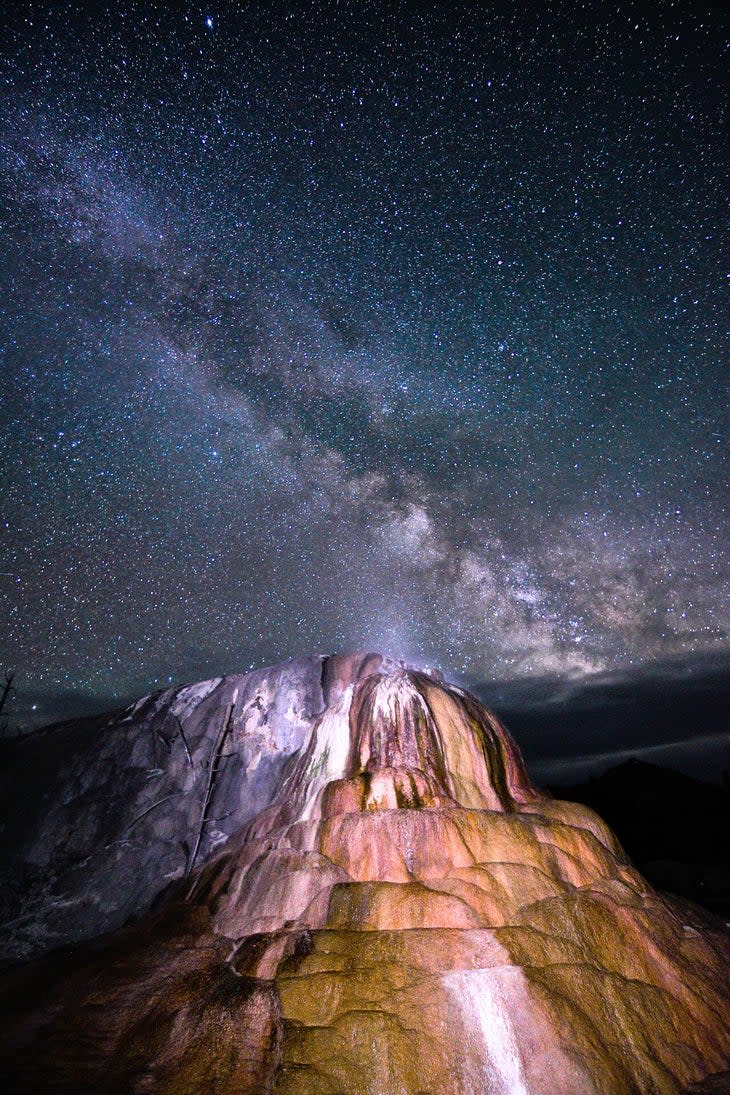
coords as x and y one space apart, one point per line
394 910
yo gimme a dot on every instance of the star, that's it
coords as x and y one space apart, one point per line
305 347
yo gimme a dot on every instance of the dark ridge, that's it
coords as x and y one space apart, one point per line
674 827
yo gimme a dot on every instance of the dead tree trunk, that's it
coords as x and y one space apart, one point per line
5 696
215 757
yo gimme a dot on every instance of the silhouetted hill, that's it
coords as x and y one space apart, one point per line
674 827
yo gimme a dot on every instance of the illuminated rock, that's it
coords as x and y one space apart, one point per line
405 915
101 815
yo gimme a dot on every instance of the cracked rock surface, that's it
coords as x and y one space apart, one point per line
100 816
363 893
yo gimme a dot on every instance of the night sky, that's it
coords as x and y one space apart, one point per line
353 326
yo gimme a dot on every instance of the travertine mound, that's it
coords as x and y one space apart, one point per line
404 914
100 816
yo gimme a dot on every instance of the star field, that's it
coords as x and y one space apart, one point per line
342 325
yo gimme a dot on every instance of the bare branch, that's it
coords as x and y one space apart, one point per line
212 772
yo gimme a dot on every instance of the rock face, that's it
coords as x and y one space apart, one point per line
388 908
102 815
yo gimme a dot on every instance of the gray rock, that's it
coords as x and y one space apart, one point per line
102 815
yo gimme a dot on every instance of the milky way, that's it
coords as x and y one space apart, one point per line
336 326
